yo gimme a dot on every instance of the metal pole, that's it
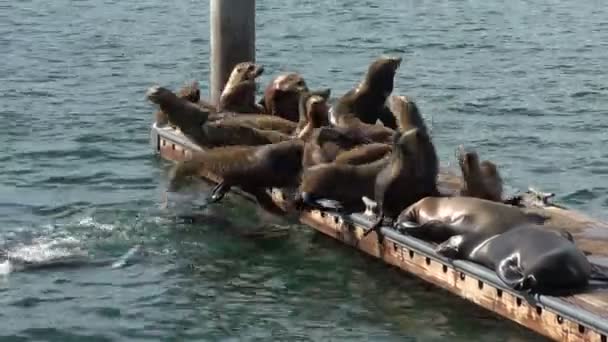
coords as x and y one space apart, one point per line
232 39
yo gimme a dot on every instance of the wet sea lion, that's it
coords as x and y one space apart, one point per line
406 113
439 218
410 175
373 132
326 143
192 121
526 258
367 101
338 186
478 180
313 109
260 121
190 91
238 94
251 168
281 96
364 154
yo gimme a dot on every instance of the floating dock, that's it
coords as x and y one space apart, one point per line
582 317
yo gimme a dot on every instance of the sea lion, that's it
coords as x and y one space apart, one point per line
410 175
260 121
363 154
406 113
238 94
478 180
190 91
192 121
326 143
338 186
373 132
313 109
526 258
282 94
439 218
367 101
251 168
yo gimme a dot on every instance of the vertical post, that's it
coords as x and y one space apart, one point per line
232 39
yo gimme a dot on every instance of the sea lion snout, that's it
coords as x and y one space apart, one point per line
394 61
258 70
156 92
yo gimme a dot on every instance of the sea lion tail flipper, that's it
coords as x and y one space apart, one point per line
218 192
376 226
432 229
305 199
451 247
510 272
598 273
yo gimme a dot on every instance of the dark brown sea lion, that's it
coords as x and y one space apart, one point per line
373 132
410 176
260 121
406 113
251 168
367 101
326 143
281 96
190 91
313 111
526 258
338 186
479 180
192 121
239 92
364 154
439 218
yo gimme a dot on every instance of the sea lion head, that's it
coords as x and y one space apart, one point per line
467 159
314 108
157 94
290 82
190 91
244 72
488 169
406 112
380 75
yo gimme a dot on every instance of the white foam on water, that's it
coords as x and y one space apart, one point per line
90 222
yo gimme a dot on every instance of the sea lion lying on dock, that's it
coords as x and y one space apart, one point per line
254 169
410 176
479 180
192 121
326 143
526 258
238 94
282 95
338 186
190 92
363 154
439 218
367 101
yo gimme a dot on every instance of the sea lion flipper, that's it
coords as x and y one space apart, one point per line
511 273
218 192
450 247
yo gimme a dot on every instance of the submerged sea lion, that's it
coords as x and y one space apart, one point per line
479 180
526 258
190 92
251 168
338 186
238 94
410 176
367 101
281 96
192 121
364 154
439 218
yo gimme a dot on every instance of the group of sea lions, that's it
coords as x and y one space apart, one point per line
370 144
